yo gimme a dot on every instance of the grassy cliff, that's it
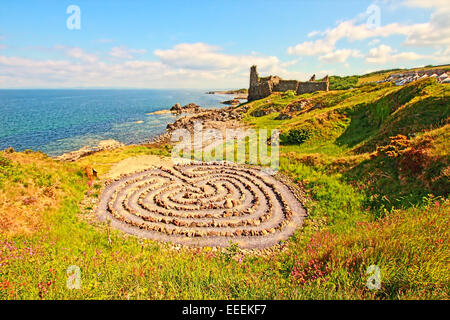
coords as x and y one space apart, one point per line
374 166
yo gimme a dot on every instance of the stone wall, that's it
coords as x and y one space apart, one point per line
312 86
285 85
263 87
260 87
261 90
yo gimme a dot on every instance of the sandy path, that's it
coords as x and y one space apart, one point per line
139 163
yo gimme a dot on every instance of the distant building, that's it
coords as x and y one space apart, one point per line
401 79
263 87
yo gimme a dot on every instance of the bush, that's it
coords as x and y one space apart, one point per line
289 94
295 136
4 162
343 83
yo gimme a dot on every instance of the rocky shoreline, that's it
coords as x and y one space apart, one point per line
88 150
240 94
219 119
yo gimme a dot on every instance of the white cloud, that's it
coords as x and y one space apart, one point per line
210 59
385 54
438 4
373 42
124 52
203 56
340 55
435 33
311 48
77 53
104 40
183 66
348 30
313 33
289 63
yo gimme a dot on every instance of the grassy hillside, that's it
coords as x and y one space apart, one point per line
383 74
348 82
374 167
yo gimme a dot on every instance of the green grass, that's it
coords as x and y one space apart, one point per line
343 83
408 246
364 208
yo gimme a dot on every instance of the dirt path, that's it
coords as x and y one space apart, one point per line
139 163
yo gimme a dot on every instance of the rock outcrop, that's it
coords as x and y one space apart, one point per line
212 118
189 108
283 116
87 150
232 102
176 108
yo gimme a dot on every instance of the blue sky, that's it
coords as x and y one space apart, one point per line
211 44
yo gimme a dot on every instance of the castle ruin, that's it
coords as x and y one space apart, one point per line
263 87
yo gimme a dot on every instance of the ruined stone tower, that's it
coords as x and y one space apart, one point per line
263 87
254 78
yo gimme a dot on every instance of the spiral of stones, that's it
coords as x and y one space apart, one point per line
202 204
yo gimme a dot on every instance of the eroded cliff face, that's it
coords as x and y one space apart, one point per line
263 87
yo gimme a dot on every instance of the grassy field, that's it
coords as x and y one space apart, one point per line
375 172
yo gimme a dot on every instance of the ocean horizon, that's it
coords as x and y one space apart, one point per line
56 121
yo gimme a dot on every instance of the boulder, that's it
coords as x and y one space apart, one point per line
228 204
283 116
262 112
191 108
317 106
87 150
232 102
176 108
297 105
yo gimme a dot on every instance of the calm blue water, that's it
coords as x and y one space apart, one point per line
58 121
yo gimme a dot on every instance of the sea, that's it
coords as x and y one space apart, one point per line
59 121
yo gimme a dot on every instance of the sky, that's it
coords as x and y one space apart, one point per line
212 44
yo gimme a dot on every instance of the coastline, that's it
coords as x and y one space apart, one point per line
240 94
61 121
219 119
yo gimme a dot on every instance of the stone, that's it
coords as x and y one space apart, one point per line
88 150
232 102
317 106
262 112
283 116
228 204
185 220
176 108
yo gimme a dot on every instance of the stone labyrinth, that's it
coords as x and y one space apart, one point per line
202 204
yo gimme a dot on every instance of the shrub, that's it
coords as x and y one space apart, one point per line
289 94
343 83
393 150
4 162
295 136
